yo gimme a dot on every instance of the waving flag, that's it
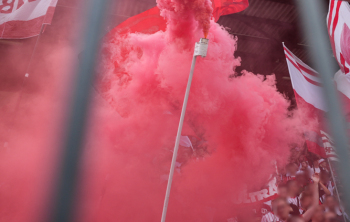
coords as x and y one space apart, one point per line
226 7
24 18
338 24
306 82
329 146
308 93
150 21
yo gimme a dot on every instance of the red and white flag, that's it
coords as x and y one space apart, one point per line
329 146
24 18
338 24
308 94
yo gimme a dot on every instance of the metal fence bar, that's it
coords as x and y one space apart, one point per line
67 180
313 24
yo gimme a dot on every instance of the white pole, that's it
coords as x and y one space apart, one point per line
336 189
200 49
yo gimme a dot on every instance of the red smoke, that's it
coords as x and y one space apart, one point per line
180 15
30 117
238 125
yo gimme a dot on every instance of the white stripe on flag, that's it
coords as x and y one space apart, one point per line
306 86
329 146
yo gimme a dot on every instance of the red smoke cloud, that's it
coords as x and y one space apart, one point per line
180 14
31 113
238 125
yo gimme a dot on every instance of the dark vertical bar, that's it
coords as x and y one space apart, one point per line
314 24
67 180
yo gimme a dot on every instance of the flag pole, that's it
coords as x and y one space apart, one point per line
336 189
26 75
201 48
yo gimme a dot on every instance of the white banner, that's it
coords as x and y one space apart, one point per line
263 195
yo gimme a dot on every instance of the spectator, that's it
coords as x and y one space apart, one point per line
270 217
326 187
303 179
305 201
330 217
282 190
318 215
281 177
302 159
332 206
316 167
284 210
313 208
282 193
293 192
295 153
295 219
291 169
323 165
305 168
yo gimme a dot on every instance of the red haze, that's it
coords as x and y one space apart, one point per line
238 125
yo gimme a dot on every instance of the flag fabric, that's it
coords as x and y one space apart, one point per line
226 7
151 21
338 23
308 94
305 81
329 146
21 19
147 22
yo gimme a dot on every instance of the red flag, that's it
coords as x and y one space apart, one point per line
225 7
150 21
147 22
23 19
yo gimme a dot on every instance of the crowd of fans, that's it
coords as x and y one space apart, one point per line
306 192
